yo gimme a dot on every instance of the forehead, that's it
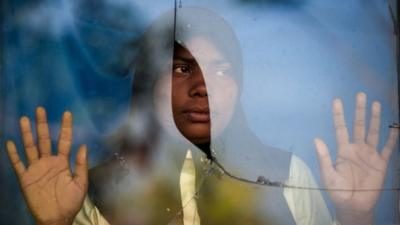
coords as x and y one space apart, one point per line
202 50
182 53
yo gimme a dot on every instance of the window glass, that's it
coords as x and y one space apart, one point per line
205 112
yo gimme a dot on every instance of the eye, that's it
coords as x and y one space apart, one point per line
221 73
182 69
223 70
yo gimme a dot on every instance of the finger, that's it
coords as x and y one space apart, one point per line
359 118
65 137
42 128
81 168
390 144
374 125
27 138
324 158
17 164
342 135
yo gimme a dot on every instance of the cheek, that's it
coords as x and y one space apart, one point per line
223 95
222 104
163 106
226 101
162 100
177 95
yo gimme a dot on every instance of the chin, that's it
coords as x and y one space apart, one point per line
200 141
197 134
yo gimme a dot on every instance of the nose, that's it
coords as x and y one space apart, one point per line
198 88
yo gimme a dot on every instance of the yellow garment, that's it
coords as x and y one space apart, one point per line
307 207
90 215
188 191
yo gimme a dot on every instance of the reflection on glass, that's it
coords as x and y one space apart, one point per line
187 155
205 83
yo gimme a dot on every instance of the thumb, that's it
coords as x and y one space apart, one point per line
81 168
324 158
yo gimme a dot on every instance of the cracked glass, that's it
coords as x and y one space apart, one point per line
205 113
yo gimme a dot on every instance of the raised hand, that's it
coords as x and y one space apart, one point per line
54 196
359 165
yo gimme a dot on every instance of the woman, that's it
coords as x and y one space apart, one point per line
197 107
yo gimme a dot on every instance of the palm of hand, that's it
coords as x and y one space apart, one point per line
54 196
358 167
354 182
51 191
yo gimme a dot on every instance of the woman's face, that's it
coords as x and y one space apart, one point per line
194 105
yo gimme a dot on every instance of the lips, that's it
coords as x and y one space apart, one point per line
197 114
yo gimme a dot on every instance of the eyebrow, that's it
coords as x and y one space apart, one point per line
185 59
218 62
194 61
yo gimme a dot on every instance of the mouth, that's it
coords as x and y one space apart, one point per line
197 114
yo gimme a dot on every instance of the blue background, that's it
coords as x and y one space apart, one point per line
298 56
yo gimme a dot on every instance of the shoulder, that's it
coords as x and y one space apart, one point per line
307 206
299 172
